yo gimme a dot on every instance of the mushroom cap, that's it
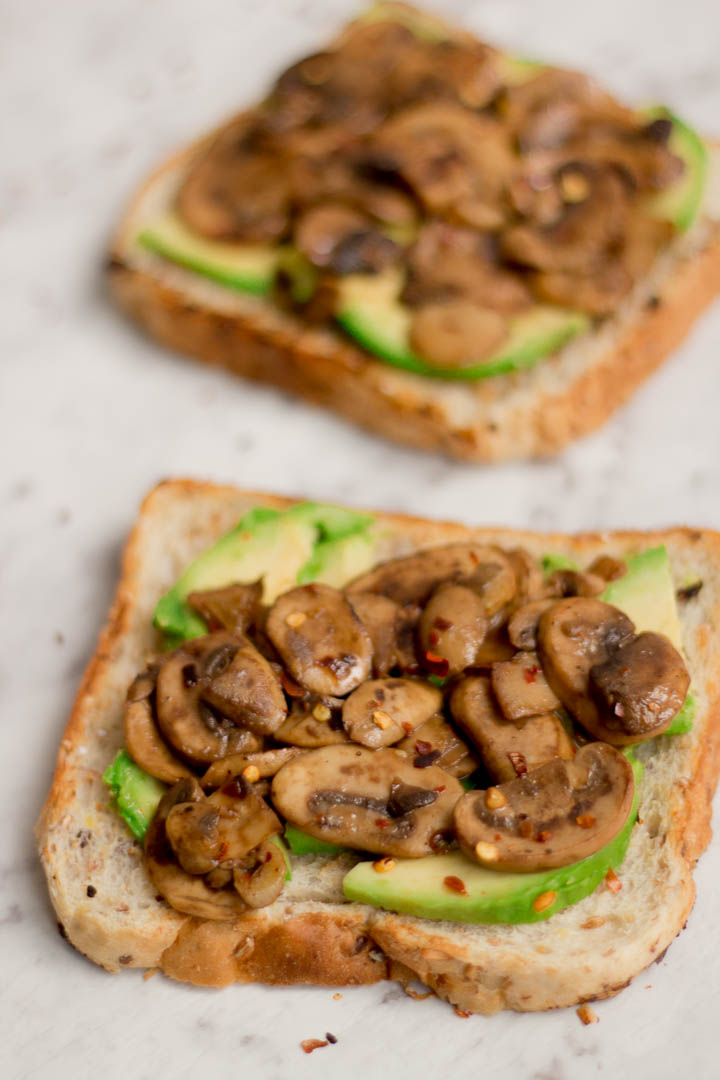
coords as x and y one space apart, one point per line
453 626
554 815
383 711
320 639
145 745
344 794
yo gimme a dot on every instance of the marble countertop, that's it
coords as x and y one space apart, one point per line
93 415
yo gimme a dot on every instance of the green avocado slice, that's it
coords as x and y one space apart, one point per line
301 843
417 886
370 311
283 547
239 266
681 202
646 594
134 792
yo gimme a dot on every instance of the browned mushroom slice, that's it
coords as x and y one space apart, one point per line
573 636
451 157
521 688
555 815
574 583
584 232
313 723
382 711
260 883
240 683
529 578
267 763
437 743
507 750
608 567
146 747
234 608
234 191
253 819
336 237
596 292
188 894
456 333
523 624
453 626
321 641
412 579
448 262
188 724
373 800
495 648
640 688
392 630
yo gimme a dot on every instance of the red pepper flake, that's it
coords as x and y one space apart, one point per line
530 673
455 884
291 688
422 747
462 1013
438 665
268 856
330 1037
613 882
439 789
518 762
543 836
585 821
441 624
433 638
407 728
309 1045
381 823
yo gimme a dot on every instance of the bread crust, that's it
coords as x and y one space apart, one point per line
506 417
349 944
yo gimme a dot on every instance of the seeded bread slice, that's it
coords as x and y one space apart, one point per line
109 910
528 414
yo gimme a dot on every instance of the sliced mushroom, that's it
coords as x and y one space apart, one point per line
608 567
188 894
145 745
412 579
241 684
383 711
521 688
586 230
262 882
322 642
529 578
313 723
267 763
597 292
523 624
575 583
334 236
456 333
188 724
447 263
392 630
235 608
437 743
639 688
349 795
253 819
235 191
453 626
495 648
555 815
574 635
507 749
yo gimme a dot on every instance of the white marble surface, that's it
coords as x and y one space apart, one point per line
92 415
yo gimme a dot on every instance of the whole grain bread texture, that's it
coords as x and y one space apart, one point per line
528 414
109 910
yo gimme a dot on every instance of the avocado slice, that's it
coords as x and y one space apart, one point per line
554 561
681 202
684 720
279 546
417 886
239 266
301 843
647 594
369 310
134 792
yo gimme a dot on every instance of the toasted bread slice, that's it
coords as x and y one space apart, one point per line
109 910
531 413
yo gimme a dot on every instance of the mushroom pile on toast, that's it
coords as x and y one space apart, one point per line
481 185
456 696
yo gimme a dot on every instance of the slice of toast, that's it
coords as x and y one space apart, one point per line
109 910
532 413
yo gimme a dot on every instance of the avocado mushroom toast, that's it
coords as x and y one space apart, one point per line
378 885
457 249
